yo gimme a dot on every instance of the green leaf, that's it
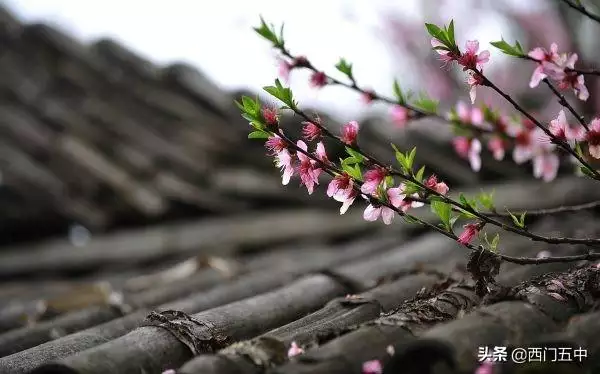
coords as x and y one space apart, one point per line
450 33
453 221
410 188
493 245
443 211
401 158
410 159
355 154
258 135
487 200
282 93
398 93
420 173
518 221
436 32
426 104
344 67
267 32
508 49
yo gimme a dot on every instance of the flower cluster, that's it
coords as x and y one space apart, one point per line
471 60
558 67
361 174
529 143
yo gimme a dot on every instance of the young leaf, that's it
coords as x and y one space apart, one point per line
508 49
518 221
258 135
398 93
426 104
266 32
356 155
450 33
410 159
436 32
493 245
419 175
487 200
443 211
344 67
401 158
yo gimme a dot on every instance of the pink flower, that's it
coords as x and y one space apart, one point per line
473 116
523 150
275 144
368 96
470 59
294 350
372 367
439 187
400 115
473 80
342 185
559 127
341 188
283 159
271 117
445 55
372 179
470 232
469 149
486 367
349 132
321 154
311 131
546 64
545 166
318 79
475 154
285 69
409 203
497 146
307 169
593 138
570 79
395 196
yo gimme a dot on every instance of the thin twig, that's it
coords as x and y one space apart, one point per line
481 216
378 97
590 256
563 101
559 142
581 9
533 212
568 70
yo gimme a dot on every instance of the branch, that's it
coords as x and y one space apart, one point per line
581 9
378 97
559 142
530 213
563 101
331 170
483 217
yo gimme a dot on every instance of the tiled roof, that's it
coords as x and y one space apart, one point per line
226 269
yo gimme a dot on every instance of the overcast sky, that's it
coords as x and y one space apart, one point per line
216 36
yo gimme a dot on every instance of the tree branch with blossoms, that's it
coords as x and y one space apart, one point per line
346 185
377 185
